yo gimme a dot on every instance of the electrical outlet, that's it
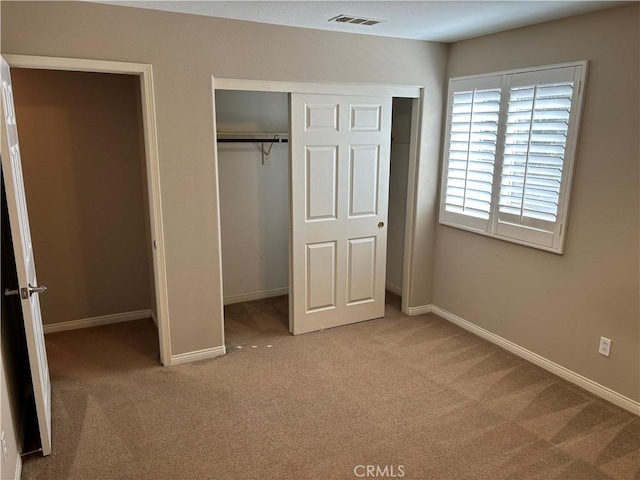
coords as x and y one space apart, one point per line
5 450
605 347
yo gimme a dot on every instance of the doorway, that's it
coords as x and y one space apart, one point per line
83 165
132 181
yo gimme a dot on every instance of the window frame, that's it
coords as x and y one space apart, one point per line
520 234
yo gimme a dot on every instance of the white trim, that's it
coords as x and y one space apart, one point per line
218 240
96 321
393 288
154 318
248 297
573 377
205 354
581 63
415 148
155 213
405 91
497 236
420 310
73 64
18 471
145 72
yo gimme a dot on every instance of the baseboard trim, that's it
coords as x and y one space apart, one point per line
154 318
421 310
197 355
18 472
393 288
95 321
249 297
573 377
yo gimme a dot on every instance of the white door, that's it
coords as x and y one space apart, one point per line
340 148
28 288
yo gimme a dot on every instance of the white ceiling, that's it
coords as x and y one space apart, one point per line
440 21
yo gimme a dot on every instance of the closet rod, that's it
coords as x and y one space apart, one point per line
256 140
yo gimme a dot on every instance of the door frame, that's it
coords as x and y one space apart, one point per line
416 93
145 73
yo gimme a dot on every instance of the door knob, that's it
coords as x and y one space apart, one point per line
26 292
37 289
380 224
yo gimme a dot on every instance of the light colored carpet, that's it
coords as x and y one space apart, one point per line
411 392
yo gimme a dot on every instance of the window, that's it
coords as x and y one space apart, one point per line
508 158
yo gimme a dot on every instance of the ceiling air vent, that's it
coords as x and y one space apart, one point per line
368 22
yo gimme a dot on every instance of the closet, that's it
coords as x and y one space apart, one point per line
254 193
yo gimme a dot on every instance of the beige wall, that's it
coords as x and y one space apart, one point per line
83 174
559 306
185 51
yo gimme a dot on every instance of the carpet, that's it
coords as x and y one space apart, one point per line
398 397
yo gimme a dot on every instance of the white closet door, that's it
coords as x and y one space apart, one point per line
340 149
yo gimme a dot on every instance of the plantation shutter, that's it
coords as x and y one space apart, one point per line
471 151
534 161
509 152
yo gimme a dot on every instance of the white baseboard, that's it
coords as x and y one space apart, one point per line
573 377
249 297
95 321
421 310
205 354
393 288
154 318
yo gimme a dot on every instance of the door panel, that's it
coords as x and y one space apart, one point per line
362 269
322 165
340 148
25 265
322 118
366 118
363 175
321 290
